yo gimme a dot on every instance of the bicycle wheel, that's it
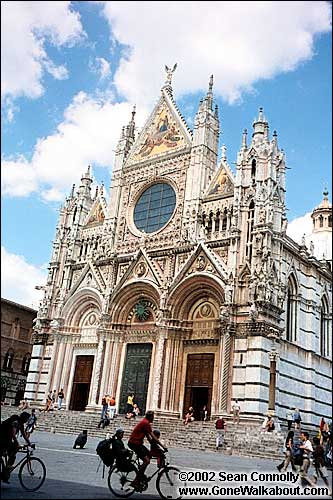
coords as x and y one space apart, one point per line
168 483
119 482
32 474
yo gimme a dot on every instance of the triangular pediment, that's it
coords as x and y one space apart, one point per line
165 132
140 269
222 183
96 214
90 277
201 261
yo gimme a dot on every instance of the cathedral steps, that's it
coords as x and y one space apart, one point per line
242 440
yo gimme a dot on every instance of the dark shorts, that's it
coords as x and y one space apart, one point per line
140 450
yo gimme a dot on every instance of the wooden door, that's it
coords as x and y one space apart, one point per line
199 382
136 375
81 384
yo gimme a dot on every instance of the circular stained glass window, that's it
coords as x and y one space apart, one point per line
154 207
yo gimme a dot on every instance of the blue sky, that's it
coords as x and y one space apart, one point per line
71 72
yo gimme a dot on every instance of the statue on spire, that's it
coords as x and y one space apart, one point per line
169 73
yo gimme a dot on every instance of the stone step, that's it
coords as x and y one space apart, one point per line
243 439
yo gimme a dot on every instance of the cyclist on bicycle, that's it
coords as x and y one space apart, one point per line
141 430
8 440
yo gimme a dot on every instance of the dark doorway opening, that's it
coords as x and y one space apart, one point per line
81 383
199 383
18 396
136 376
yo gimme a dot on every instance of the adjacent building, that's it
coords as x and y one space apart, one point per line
184 287
16 347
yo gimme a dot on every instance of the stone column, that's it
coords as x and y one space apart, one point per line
97 374
225 373
52 366
272 381
158 370
59 366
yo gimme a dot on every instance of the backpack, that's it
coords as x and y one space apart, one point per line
104 451
297 454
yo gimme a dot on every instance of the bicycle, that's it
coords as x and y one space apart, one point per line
120 481
32 472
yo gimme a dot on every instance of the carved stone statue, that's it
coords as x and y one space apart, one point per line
253 312
224 314
169 73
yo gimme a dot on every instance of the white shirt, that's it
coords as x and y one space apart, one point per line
236 406
308 448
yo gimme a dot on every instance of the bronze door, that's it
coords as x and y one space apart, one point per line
81 383
199 383
136 375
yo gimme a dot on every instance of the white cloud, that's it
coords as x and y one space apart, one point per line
25 26
239 42
87 135
300 226
19 278
102 67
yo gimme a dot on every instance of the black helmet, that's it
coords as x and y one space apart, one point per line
24 417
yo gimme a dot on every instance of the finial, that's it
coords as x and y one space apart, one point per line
216 111
224 152
72 192
169 73
325 192
133 112
261 114
102 189
96 192
266 132
211 82
244 139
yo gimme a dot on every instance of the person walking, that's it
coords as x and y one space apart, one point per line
282 467
105 407
53 398
221 427
61 397
306 446
236 411
319 464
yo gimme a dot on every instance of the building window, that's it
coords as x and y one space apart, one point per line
324 328
26 364
154 207
330 221
253 168
321 221
249 232
8 360
291 311
209 226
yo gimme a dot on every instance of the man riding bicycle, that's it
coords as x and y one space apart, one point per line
8 440
135 442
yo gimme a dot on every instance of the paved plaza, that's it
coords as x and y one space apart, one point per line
73 473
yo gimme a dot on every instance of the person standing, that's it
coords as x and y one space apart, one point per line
289 417
221 427
104 411
236 411
31 424
61 396
112 407
297 419
130 403
53 397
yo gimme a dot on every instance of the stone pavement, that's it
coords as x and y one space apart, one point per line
72 474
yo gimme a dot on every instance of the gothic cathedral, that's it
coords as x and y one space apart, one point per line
184 288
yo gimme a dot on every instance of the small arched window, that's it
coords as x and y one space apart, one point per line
291 311
26 363
224 219
330 221
209 226
8 360
321 221
217 221
324 328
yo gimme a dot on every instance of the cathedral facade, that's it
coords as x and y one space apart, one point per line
184 287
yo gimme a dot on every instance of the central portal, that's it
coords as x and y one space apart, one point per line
136 375
81 383
199 383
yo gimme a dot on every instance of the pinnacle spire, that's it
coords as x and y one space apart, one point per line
244 139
